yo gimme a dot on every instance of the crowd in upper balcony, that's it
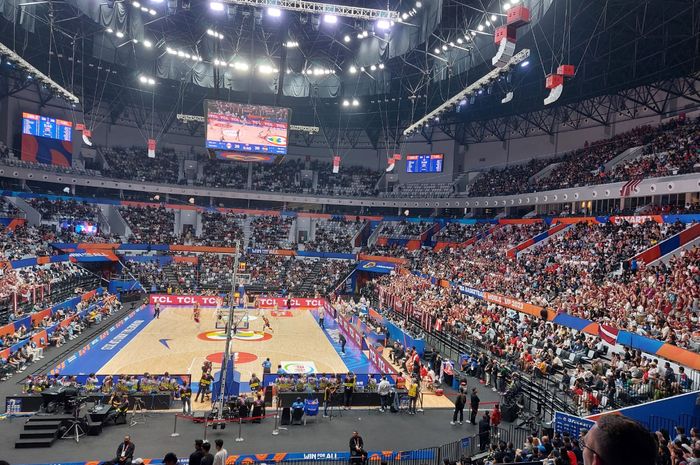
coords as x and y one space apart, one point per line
64 209
669 149
133 163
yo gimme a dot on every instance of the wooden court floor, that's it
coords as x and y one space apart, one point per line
176 344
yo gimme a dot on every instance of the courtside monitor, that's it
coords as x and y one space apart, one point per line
243 128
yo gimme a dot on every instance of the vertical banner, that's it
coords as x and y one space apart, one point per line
336 164
79 126
151 148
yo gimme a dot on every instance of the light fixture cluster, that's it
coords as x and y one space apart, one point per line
318 71
214 34
412 12
182 54
507 5
143 79
354 102
33 73
353 69
237 65
267 69
459 43
138 5
291 44
119 34
475 88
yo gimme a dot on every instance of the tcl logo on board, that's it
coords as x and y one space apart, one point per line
165 299
282 303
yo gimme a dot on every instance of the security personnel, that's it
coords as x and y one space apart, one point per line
204 385
186 397
349 389
254 383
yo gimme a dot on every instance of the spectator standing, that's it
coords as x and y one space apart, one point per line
170 459
475 405
186 397
207 457
484 432
196 456
384 388
342 341
221 453
460 402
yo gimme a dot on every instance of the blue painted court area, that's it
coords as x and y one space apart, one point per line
354 358
91 358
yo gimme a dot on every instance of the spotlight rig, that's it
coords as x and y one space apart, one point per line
40 77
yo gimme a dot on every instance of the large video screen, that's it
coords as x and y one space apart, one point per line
50 128
240 127
46 140
424 163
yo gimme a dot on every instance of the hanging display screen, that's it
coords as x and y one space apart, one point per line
424 163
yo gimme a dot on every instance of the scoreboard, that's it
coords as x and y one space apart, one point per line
424 163
50 128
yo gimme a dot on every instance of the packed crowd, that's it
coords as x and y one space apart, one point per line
57 210
403 229
669 149
334 235
271 232
150 224
133 163
8 209
221 229
72 322
459 233
587 270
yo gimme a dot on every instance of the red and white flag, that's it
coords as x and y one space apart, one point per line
438 325
336 164
608 333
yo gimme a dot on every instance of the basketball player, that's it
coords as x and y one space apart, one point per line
156 311
266 324
196 313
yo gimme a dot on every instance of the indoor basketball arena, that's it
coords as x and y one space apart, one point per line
398 232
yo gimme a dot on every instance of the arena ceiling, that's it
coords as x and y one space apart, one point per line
101 51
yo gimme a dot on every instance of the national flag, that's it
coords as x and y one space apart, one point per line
608 333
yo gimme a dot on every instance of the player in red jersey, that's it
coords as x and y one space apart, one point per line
196 313
266 324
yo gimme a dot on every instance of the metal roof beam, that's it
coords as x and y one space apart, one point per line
321 8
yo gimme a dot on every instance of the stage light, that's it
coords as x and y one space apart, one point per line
359 35
362 68
136 5
181 54
136 41
525 64
460 41
241 66
404 16
381 65
473 33
143 79
330 19
151 81
216 6
170 51
152 12
419 4
156 1
373 68
452 44
493 18
480 27
365 34
274 12
488 23
437 51
383 24
355 102
120 34
444 47
289 71
346 38
352 69
506 6
110 30
346 103
266 69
